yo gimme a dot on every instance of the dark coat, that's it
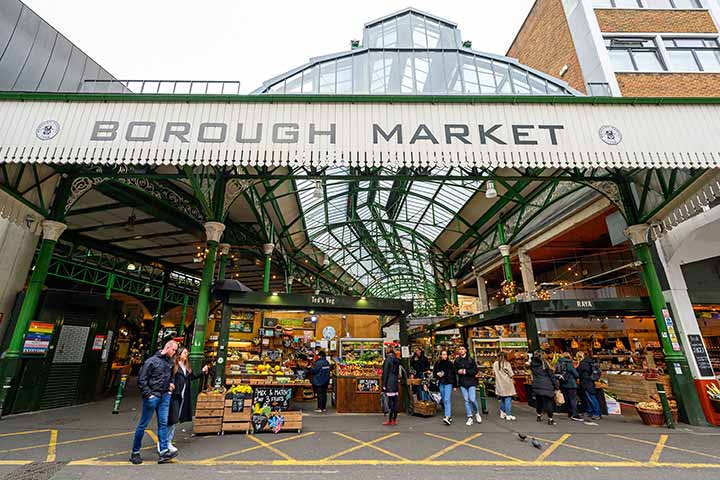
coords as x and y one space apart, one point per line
571 374
154 377
448 378
181 404
391 374
585 371
320 372
544 382
419 365
469 378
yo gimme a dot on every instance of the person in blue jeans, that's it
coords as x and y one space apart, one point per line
589 371
444 371
466 373
155 386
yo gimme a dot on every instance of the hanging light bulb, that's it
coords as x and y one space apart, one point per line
491 193
318 193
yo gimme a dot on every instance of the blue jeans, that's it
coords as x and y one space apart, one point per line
446 395
469 395
422 395
593 406
505 404
151 406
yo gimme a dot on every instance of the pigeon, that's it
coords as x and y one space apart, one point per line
537 444
522 437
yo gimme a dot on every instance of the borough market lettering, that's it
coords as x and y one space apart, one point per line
293 133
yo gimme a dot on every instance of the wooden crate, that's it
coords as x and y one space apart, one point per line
244 416
236 427
207 425
293 422
210 401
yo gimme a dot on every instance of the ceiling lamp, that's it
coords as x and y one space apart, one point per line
318 193
491 193
131 267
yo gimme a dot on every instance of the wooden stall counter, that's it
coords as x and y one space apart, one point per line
358 394
635 388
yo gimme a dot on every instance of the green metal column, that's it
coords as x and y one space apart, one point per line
531 330
223 340
267 251
110 285
159 313
505 252
197 352
453 287
224 254
181 327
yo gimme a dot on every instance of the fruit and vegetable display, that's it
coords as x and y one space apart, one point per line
244 389
655 406
360 368
713 392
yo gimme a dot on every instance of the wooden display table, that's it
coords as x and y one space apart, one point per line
359 394
635 388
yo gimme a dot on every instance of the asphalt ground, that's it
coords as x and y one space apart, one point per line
88 442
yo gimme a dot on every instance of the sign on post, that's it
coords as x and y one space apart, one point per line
701 357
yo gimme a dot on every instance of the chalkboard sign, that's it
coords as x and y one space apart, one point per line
368 385
701 356
277 398
238 402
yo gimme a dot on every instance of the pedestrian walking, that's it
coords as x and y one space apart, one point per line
466 371
391 385
504 385
181 401
320 380
155 386
568 377
419 364
444 370
544 385
589 370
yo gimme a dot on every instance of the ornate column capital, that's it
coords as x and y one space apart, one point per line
213 231
268 249
504 250
224 249
52 229
638 234
453 283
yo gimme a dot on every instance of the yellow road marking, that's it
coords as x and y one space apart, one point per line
556 444
456 444
271 448
374 447
358 447
152 435
476 447
684 450
598 452
52 446
91 460
257 447
68 442
27 432
655 457
15 462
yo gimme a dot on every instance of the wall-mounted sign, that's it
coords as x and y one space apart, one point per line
674 341
41 327
701 356
37 343
98 343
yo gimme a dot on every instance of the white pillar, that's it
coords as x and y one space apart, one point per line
483 305
528 277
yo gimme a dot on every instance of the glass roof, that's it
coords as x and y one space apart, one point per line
412 52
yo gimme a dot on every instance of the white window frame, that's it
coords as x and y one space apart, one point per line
664 56
643 6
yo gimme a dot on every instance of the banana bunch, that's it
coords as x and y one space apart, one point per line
713 391
246 389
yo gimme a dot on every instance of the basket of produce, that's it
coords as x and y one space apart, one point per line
651 413
714 393
424 408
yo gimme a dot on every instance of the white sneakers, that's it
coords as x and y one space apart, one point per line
469 422
502 415
478 418
447 420
171 447
510 418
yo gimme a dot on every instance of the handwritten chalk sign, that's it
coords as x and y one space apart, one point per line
238 402
368 385
701 356
277 398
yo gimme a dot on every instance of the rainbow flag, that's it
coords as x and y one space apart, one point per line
40 327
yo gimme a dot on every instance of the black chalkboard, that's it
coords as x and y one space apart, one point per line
368 385
238 402
277 398
701 356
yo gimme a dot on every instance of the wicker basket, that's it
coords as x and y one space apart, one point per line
655 418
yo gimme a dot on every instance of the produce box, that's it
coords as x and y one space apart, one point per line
293 422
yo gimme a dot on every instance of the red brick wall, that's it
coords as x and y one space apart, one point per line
544 43
660 21
669 84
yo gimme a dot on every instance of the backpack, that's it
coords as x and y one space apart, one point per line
561 371
595 373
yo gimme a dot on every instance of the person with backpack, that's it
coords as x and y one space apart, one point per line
589 370
568 377
544 385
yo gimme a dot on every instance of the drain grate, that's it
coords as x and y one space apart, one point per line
35 471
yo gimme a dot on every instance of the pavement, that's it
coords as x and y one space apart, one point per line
87 442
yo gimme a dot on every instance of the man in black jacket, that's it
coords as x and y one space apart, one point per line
155 387
466 371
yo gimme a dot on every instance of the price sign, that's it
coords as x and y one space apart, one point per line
701 356
238 402
277 398
368 385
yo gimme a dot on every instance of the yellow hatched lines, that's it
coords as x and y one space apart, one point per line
466 443
361 444
655 457
51 445
220 458
668 447
555 445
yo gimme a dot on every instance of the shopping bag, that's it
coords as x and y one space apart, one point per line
384 404
437 398
613 406
559 398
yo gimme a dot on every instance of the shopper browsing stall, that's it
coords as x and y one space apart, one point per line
391 385
445 373
504 385
419 365
466 371
589 370
321 379
544 385
568 377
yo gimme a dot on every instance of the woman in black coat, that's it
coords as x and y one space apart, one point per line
181 402
544 385
391 385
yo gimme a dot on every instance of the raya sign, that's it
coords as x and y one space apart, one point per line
254 132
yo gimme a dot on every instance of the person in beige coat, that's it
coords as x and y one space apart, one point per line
504 385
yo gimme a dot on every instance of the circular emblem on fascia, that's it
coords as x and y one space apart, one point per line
47 130
610 135
328 333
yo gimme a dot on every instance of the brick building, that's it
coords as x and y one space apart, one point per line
632 48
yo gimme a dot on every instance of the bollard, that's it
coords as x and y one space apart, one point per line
118 398
483 399
665 404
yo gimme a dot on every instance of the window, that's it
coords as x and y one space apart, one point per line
693 54
634 55
650 4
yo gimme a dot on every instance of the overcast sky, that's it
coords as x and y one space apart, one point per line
249 40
